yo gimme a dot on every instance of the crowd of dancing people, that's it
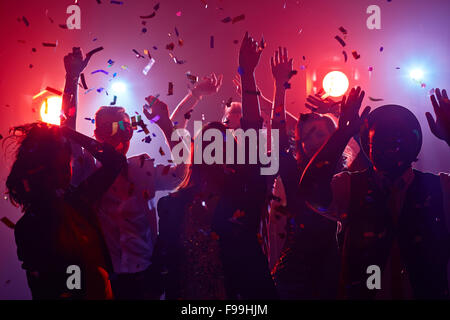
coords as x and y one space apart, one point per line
345 197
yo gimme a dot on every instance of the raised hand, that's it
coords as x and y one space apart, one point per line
441 105
349 119
322 106
281 66
249 55
155 108
209 85
74 62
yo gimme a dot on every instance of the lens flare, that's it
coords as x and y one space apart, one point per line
335 83
118 87
51 110
416 74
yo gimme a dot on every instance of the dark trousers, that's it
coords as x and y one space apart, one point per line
142 285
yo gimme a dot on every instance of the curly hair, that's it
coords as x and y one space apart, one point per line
37 144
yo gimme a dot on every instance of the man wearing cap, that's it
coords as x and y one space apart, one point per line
395 219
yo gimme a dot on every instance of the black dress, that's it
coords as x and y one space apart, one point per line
309 264
61 230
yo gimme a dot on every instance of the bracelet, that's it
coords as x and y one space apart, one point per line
258 93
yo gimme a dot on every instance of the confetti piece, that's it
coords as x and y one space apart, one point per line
155 119
211 42
100 70
138 55
124 67
170 46
187 115
180 42
292 73
144 30
48 44
226 20
355 55
100 89
62 25
153 101
114 101
83 82
302 67
339 39
375 99
115 128
342 29
57 92
25 21
381 49
238 18
90 53
370 69
148 66
148 16
170 90
116 2
240 70
89 119
345 55
178 14
156 7
8 222
121 125
147 139
89 91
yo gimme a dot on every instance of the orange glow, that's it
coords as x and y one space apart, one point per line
51 110
335 83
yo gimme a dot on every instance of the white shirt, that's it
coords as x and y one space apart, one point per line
127 212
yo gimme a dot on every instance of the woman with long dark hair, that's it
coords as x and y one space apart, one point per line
207 246
58 234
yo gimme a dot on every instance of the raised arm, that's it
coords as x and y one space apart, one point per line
74 65
249 55
441 105
207 86
315 183
158 112
92 188
282 71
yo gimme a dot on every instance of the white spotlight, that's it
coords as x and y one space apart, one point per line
118 87
416 74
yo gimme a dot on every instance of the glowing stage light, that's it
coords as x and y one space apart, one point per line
416 74
335 83
118 87
51 110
